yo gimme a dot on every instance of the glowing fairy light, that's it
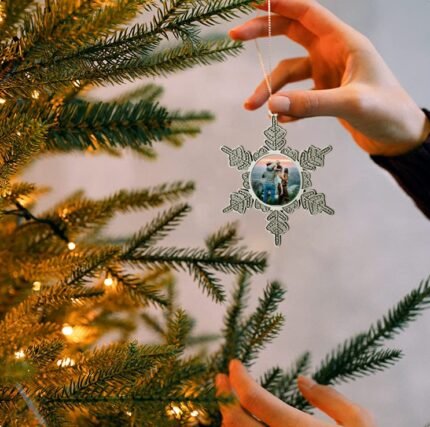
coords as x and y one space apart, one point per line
2 101
19 354
64 213
77 83
35 94
108 281
71 246
67 330
64 363
176 410
128 413
37 285
194 413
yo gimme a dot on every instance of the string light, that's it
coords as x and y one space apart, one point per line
2 101
71 246
18 133
37 285
19 354
35 94
77 83
2 12
64 213
128 413
177 410
67 361
108 281
194 413
67 330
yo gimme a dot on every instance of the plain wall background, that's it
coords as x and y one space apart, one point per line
342 272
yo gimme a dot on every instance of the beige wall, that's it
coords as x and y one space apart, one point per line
342 272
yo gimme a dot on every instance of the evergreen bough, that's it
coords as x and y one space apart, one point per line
65 285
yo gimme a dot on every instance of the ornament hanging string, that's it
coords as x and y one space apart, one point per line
267 72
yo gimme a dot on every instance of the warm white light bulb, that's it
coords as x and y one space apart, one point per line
67 361
176 410
108 281
19 354
67 330
2 101
37 285
71 246
35 94
194 413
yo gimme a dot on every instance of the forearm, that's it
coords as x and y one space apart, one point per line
412 172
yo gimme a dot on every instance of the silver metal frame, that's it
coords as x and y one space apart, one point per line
306 162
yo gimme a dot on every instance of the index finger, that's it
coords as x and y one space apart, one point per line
232 414
265 405
310 14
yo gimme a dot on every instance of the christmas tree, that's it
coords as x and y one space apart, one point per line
65 285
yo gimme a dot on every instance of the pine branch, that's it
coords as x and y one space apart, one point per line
223 238
232 261
43 354
208 282
12 13
91 266
361 354
232 331
118 69
29 318
208 12
184 125
104 380
81 125
178 329
263 325
21 140
357 366
91 21
148 92
157 229
386 328
139 289
81 213
399 317
284 384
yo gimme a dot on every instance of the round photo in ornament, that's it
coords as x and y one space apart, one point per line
276 180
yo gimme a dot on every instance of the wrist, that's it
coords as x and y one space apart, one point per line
417 139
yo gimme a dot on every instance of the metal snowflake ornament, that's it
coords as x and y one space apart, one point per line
277 180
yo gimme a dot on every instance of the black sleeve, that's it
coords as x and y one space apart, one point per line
412 172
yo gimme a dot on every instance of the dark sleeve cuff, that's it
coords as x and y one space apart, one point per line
412 172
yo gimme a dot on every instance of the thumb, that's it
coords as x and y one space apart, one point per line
334 404
309 103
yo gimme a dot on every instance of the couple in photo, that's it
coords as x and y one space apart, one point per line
275 184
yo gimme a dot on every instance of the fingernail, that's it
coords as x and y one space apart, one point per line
306 382
235 363
279 104
248 104
232 32
219 379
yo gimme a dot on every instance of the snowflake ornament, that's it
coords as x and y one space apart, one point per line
277 180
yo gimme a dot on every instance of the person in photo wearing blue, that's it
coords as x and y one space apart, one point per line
269 186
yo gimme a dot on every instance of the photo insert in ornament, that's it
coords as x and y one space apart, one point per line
276 180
